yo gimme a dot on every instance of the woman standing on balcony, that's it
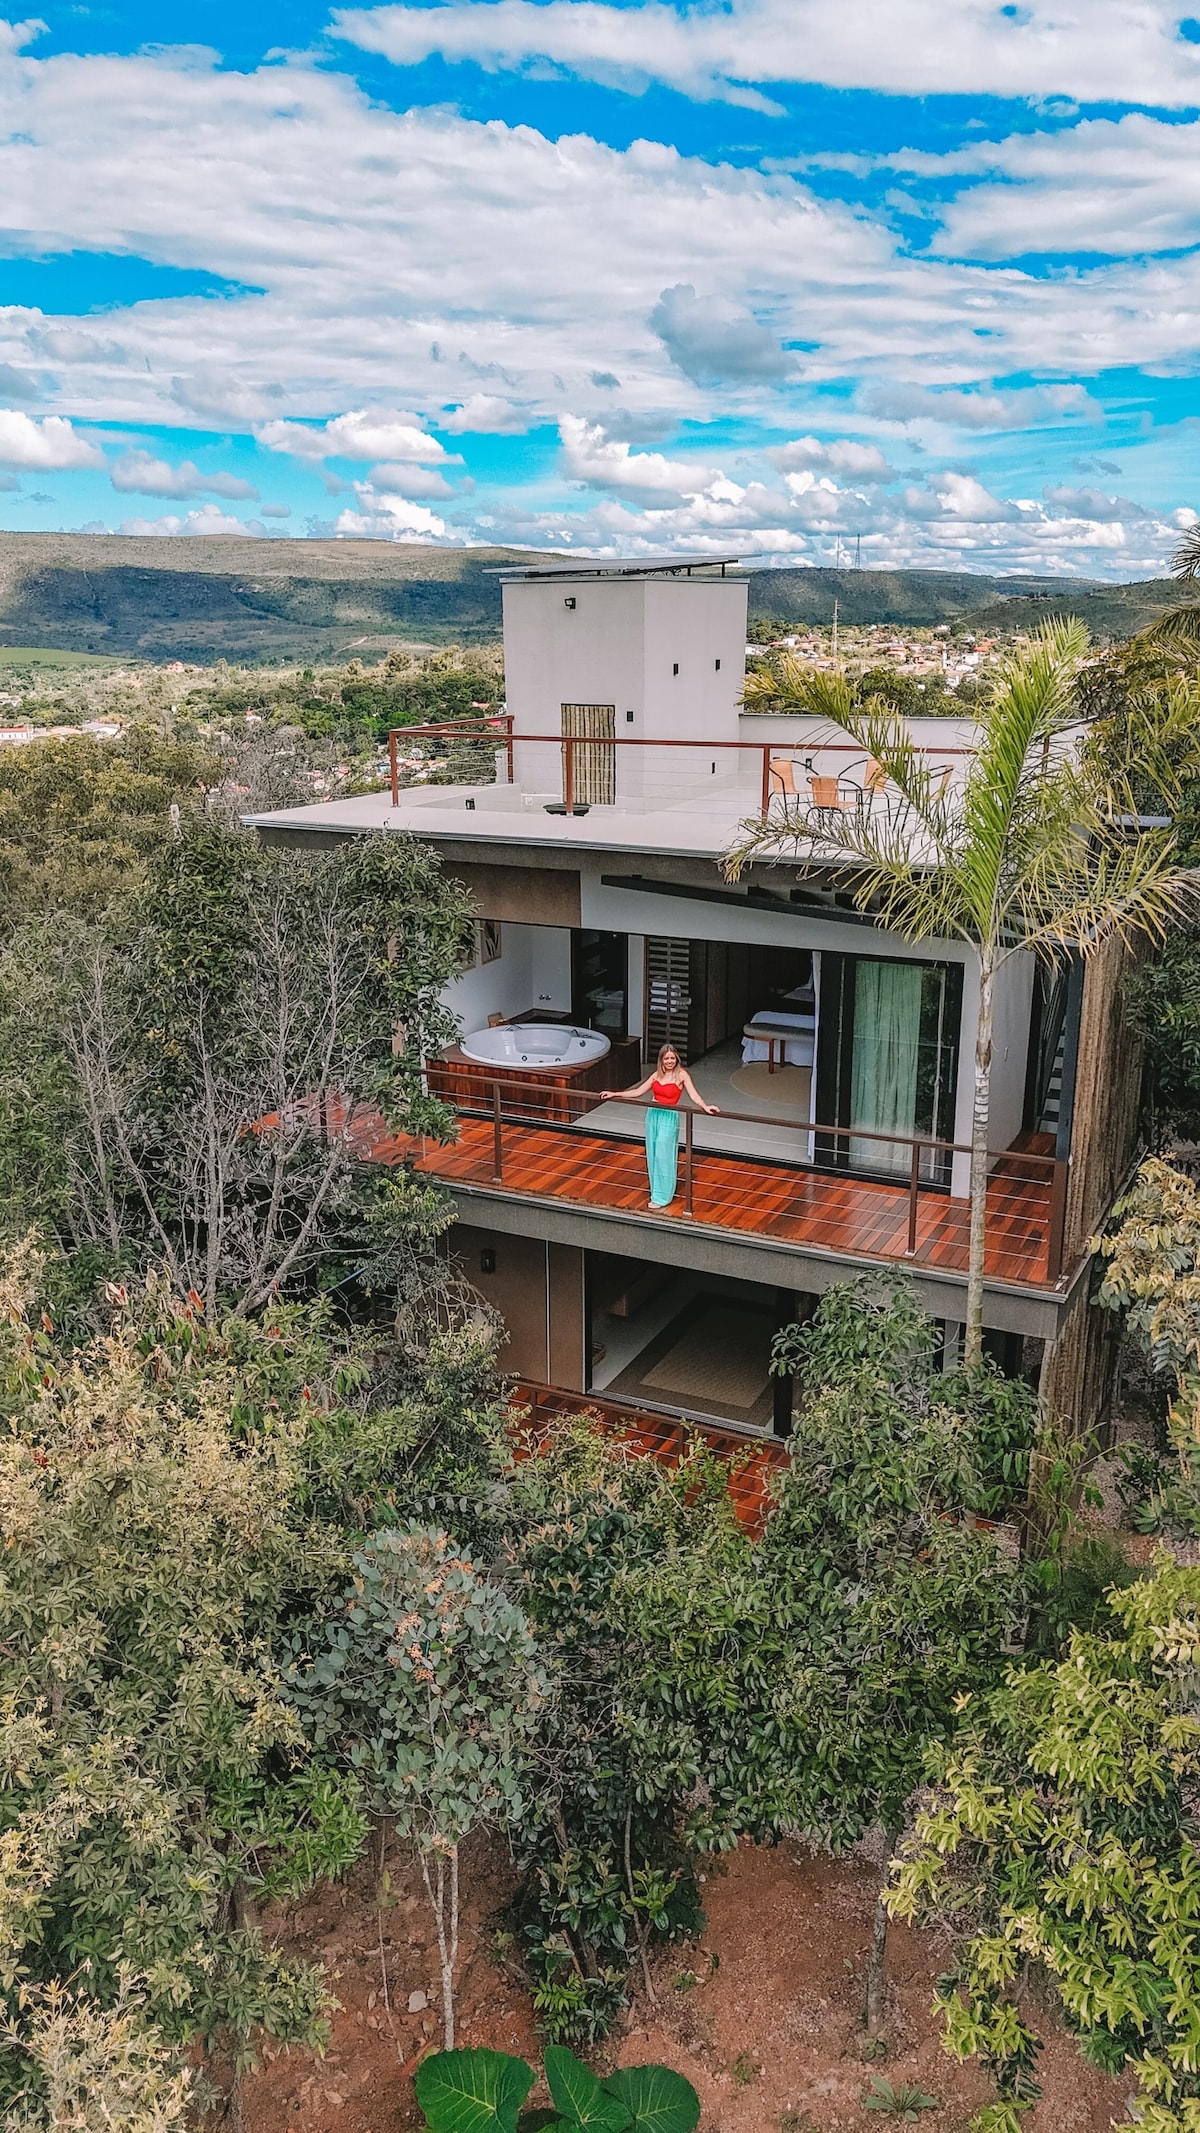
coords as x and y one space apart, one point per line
664 1087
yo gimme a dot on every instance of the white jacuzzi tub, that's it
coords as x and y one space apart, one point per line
536 1046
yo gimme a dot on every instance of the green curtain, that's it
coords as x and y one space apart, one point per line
883 1069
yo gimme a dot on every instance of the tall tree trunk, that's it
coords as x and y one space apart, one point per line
973 1343
874 2009
443 1895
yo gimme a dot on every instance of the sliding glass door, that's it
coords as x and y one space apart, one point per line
887 1063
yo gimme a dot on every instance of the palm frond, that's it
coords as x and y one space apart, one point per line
874 850
787 683
1178 627
1125 888
1185 563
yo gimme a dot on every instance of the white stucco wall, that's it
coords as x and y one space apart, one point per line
499 988
550 949
619 643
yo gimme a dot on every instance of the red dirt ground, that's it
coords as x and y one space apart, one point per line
769 2031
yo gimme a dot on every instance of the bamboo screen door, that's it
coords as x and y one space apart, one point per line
595 766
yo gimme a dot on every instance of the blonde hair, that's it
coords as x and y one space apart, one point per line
665 1049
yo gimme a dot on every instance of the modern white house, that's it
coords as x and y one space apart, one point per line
839 1056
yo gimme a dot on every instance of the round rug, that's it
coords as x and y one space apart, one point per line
787 1085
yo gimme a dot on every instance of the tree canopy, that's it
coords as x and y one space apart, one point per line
1059 1838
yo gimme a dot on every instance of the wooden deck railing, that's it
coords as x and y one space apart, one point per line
1027 1189
501 729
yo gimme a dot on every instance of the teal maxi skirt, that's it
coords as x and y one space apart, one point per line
662 1153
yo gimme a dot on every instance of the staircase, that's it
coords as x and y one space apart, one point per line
1048 1122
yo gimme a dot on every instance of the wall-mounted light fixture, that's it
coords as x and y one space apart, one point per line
569 601
487 1262
716 666
675 668
629 718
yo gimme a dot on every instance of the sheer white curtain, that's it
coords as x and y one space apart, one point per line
883 1069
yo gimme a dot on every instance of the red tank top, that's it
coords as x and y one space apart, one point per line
666 1092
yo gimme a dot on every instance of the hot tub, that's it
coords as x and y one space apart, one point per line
536 1047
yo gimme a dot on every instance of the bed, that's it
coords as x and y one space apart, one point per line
781 1036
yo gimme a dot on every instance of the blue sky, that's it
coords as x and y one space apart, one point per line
777 277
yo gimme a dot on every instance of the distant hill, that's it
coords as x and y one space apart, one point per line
923 598
251 600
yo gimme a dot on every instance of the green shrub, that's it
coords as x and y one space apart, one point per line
482 2092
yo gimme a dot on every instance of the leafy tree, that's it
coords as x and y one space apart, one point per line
1058 1841
95 2069
482 2092
427 1685
911 1604
181 1079
605 1848
1152 1275
81 820
713 1686
155 1491
178 1495
1031 853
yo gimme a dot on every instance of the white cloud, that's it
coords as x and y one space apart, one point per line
486 415
50 442
1026 407
962 498
137 472
207 520
737 51
1111 186
389 518
410 481
429 261
1092 504
377 433
604 462
710 340
856 462
426 248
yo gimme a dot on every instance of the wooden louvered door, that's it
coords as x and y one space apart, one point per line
595 764
669 1017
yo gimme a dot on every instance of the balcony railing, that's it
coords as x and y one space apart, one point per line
522 1137
814 773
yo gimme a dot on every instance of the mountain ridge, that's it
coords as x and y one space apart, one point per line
253 601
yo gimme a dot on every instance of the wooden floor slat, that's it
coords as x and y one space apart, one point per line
827 1211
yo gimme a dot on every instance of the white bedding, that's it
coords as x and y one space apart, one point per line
796 1051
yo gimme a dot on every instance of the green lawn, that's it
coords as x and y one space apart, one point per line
33 655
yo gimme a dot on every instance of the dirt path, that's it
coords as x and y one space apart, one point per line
763 2014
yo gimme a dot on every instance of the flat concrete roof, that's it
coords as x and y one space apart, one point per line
441 815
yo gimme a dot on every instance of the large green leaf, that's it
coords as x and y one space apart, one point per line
657 2099
579 2095
472 2092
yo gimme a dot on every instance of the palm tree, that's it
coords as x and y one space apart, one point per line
1178 629
1036 849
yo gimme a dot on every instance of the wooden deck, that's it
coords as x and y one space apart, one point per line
822 1210
753 1461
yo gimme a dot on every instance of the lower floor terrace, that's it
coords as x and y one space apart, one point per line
751 1464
